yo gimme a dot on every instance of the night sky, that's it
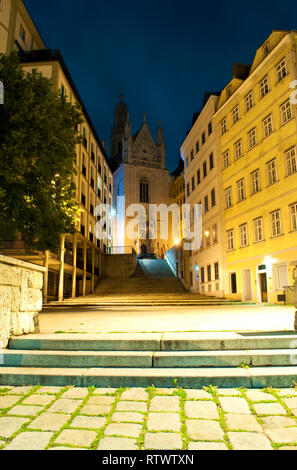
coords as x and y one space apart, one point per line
162 54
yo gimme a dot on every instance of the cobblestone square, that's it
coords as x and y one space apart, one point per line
141 419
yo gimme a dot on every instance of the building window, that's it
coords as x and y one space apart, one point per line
235 114
206 204
290 158
293 216
229 91
204 169
197 146
267 126
266 49
192 155
249 101
275 219
243 235
213 197
187 162
226 159
271 168
238 149
209 128
203 138
23 33
211 161
252 138
215 233
264 86
240 190
144 190
255 181
209 273
202 276
63 92
188 189
193 183
216 271
228 197
230 240
224 126
258 230
198 177
281 70
286 112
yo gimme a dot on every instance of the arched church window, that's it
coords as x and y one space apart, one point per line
144 190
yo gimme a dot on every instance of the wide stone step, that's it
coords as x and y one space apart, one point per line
195 341
257 377
148 359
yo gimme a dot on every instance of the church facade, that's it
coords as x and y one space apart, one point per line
140 177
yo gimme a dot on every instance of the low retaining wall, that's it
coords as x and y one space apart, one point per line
118 265
20 298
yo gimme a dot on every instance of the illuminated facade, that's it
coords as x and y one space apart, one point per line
257 138
140 177
203 186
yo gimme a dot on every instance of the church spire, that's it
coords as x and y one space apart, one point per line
160 136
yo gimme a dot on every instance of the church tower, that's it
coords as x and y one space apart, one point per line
140 177
120 128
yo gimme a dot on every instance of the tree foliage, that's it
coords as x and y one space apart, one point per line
38 137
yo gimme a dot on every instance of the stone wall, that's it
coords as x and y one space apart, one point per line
118 265
20 298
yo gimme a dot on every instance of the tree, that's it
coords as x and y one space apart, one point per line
38 136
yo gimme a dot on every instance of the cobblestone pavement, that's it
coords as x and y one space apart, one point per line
55 418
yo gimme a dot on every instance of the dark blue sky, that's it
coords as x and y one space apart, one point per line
163 54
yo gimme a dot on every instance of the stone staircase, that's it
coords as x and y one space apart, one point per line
193 360
153 284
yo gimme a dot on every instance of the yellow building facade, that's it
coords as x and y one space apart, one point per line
17 30
256 125
77 267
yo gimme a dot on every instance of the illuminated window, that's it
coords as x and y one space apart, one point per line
290 157
252 138
238 149
228 197
243 235
230 240
264 86
249 101
215 233
240 190
267 126
281 70
286 112
258 230
224 126
226 159
293 216
255 181
271 168
275 219
266 49
235 114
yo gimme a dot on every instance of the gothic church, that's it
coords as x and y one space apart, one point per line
141 176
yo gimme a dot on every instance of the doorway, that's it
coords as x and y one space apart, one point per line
247 285
143 249
263 287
